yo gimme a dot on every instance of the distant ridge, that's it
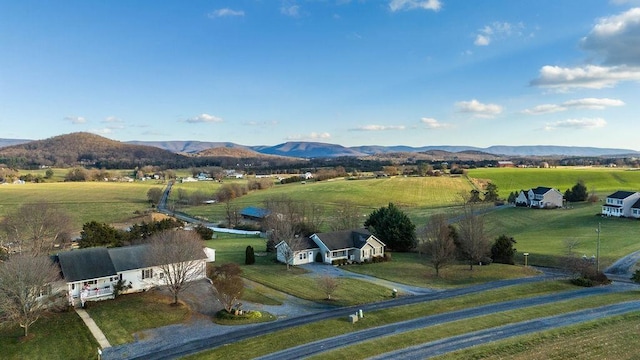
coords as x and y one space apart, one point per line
301 149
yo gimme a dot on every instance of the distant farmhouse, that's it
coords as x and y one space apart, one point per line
622 204
254 213
540 197
350 245
97 270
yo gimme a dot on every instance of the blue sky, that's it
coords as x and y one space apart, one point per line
359 72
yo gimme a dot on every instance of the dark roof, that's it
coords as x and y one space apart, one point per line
86 264
337 240
254 212
305 243
129 257
636 205
541 190
621 194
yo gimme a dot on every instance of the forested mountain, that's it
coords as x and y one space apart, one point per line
86 149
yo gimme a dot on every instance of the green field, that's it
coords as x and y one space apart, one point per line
109 202
419 196
599 180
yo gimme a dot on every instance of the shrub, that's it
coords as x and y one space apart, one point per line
584 282
223 314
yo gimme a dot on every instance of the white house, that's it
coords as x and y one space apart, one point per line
622 203
540 197
351 245
93 272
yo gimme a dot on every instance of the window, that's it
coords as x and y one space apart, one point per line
147 273
300 256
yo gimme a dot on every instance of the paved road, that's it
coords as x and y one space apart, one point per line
423 322
203 338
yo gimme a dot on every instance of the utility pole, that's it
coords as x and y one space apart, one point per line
598 250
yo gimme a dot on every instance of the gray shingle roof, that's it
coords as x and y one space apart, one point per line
541 190
129 257
621 194
636 205
344 239
86 264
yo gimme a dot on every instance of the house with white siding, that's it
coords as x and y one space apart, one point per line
351 245
540 197
94 272
622 204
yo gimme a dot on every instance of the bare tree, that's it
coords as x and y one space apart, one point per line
37 227
232 214
282 224
178 255
437 242
228 284
347 216
25 284
473 241
328 285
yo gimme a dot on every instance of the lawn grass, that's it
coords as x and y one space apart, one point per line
542 233
129 314
406 339
412 269
55 336
611 338
108 202
298 335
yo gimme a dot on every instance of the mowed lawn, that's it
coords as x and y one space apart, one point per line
54 336
544 233
108 202
295 281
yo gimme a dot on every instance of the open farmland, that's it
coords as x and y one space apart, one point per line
108 202
600 180
418 196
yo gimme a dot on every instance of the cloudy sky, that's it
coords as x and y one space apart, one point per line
350 72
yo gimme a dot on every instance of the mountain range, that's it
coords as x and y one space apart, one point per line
326 150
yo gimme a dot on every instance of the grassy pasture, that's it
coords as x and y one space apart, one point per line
419 196
108 202
601 180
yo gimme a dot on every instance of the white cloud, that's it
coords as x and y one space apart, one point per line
111 119
616 38
378 128
432 123
203 118
289 8
497 30
593 103
103 131
586 103
399 5
479 109
544 109
482 40
584 123
311 136
226 12
589 77
75 119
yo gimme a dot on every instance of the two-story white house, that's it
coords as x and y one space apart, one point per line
540 197
622 203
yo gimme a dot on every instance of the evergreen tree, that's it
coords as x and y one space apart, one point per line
393 227
502 250
250 257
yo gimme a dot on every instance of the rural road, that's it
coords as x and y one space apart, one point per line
201 339
353 338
